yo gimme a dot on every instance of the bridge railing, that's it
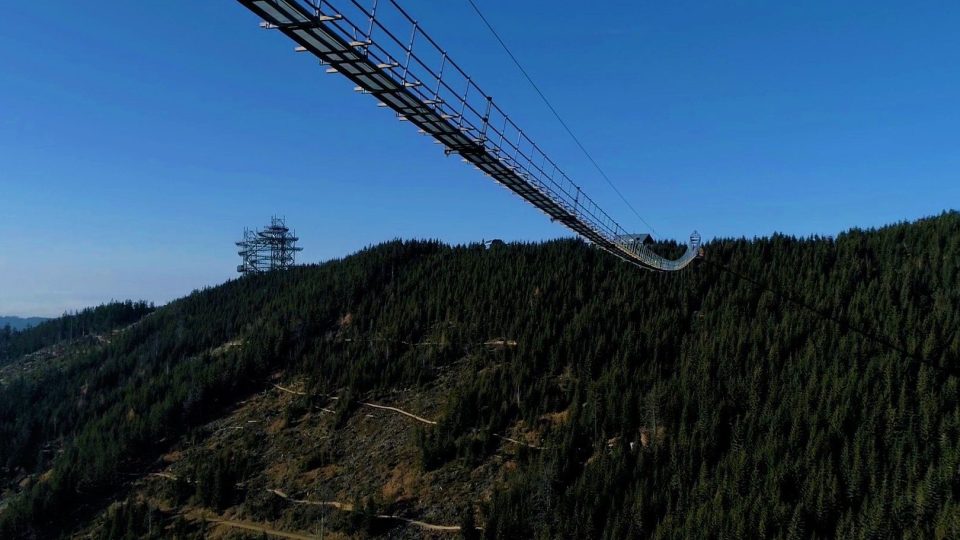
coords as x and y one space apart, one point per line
389 36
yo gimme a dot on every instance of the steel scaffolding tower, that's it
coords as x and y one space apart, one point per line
271 248
425 87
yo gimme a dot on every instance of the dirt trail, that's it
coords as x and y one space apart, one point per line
407 414
401 411
289 391
365 404
521 443
347 507
260 528
247 525
422 524
433 423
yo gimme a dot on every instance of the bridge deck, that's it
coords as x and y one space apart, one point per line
473 127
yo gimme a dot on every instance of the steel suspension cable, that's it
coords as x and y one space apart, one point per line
556 114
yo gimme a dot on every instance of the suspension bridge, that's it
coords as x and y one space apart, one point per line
382 49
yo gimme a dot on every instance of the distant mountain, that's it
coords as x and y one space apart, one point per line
21 323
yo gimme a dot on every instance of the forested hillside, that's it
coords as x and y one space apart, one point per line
88 322
652 405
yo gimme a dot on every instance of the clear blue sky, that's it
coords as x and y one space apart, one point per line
137 139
